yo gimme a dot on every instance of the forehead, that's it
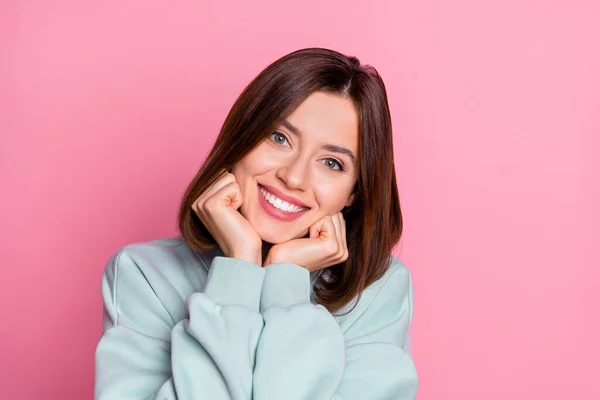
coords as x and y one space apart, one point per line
328 118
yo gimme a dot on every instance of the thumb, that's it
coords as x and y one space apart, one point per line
317 228
233 196
313 232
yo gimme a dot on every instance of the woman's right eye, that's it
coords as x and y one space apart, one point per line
279 138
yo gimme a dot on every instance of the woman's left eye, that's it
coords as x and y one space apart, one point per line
335 162
281 136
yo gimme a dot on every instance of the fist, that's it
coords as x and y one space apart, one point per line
325 246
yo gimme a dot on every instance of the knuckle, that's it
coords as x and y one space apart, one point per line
332 247
345 255
196 205
229 177
208 206
231 184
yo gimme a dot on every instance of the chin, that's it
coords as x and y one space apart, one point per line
274 232
272 238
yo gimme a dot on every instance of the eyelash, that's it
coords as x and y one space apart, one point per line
342 169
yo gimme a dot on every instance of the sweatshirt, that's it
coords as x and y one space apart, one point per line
183 324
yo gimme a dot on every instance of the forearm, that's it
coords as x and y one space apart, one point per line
300 354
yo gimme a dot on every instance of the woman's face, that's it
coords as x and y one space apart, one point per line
309 159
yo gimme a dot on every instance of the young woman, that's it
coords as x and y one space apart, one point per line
281 284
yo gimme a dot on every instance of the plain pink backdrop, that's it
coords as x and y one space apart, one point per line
108 108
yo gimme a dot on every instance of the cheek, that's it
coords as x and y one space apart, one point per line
246 168
331 199
257 161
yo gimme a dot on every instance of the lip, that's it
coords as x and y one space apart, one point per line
275 212
282 196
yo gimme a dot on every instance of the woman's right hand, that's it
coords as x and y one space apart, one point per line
217 208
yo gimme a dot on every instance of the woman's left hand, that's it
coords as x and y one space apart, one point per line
325 246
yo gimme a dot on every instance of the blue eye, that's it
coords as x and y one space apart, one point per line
340 166
281 135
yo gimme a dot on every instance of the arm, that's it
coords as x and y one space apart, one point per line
146 353
303 354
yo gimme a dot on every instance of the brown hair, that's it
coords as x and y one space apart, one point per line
374 220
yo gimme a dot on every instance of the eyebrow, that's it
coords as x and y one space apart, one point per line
328 147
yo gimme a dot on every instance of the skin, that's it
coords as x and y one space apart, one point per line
298 165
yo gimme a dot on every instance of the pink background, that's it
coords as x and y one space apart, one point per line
108 109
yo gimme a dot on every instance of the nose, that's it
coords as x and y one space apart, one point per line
295 173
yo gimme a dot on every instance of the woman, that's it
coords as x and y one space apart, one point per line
281 284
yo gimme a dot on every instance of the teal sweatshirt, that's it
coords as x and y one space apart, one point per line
183 324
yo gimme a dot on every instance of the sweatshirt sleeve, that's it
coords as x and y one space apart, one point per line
145 353
303 354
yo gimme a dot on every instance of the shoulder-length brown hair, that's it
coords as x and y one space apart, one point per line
374 220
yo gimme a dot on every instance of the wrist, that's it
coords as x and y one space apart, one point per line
271 257
253 257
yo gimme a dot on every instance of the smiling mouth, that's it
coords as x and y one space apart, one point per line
280 204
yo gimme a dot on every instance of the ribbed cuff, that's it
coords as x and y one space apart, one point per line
232 281
285 285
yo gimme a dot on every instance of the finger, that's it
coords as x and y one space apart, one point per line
224 179
217 216
338 227
327 227
330 235
344 238
229 195
315 229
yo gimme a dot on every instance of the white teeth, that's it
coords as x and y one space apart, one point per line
280 204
